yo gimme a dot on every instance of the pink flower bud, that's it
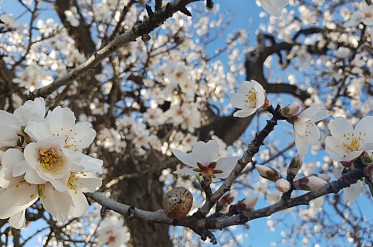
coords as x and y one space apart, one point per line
246 204
225 201
291 110
324 177
268 172
283 185
295 165
310 183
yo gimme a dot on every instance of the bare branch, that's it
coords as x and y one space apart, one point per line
137 31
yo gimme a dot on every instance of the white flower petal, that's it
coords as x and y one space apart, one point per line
339 126
85 134
58 204
31 110
18 221
313 133
205 152
238 100
352 193
33 178
320 115
21 168
309 112
38 130
226 165
8 137
185 171
187 159
260 96
301 144
80 203
82 162
273 7
12 157
333 147
88 183
300 127
244 113
8 120
367 146
59 185
17 197
365 127
245 87
61 119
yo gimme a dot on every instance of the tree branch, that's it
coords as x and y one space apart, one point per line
137 31
222 221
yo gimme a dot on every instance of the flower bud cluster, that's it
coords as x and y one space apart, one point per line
273 175
310 183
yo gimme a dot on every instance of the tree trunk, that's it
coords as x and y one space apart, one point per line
144 192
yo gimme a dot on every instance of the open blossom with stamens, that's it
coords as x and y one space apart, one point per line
112 232
42 159
60 123
273 7
347 142
202 161
306 131
251 97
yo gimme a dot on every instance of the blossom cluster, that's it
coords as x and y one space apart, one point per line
42 158
345 145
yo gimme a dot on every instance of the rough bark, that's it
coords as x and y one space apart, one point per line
143 192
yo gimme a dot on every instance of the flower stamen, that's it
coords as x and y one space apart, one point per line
250 101
50 161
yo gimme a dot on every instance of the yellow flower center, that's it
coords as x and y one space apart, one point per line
353 142
250 101
50 161
72 184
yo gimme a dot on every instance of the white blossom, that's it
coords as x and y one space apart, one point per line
112 232
43 159
249 100
202 161
306 131
346 142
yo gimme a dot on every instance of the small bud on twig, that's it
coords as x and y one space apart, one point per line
246 204
309 183
283 185
268 172
294 166
291 110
